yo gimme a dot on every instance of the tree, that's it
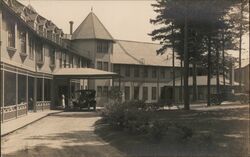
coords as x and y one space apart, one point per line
189 25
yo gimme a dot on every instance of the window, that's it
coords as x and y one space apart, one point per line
163 73
11 33
22 38
49 35
136 72
127 93
145 93
127 71
105 66
39 51
145 72
99 91
60 60
105 91
78 62
102 46
154 73
153 93
99 65
31 48
64 60
117 69
136 93
21 89
52 56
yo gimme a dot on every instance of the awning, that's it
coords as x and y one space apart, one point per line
85 73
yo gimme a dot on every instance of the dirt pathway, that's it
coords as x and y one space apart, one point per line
68 134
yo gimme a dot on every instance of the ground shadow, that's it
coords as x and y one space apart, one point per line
220 133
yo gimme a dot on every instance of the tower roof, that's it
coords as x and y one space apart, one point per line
91 28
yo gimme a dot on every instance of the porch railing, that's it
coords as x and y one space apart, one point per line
43 105
13 111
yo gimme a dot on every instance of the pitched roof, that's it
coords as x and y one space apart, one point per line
201 81
85 73
134 52
91 28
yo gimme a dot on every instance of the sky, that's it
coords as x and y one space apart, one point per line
124 19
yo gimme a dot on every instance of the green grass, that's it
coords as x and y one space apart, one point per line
219 133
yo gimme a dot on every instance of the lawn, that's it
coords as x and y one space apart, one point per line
216 133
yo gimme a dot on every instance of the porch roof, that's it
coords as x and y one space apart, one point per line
85 73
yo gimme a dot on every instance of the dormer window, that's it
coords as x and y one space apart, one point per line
40 29
102 46
49 34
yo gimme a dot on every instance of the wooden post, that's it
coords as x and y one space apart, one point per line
35 94
27 93
16 94
69 92
2 93
43 92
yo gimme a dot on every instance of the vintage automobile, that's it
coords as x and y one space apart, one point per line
85 99
217 99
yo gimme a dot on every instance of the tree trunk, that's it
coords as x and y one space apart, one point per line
186 62
223 60
240 73
194 82
209 71
181 89
217 71
173 64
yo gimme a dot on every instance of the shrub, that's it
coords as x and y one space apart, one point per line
157 130
136 121
185 132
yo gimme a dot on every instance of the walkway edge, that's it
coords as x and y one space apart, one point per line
49 114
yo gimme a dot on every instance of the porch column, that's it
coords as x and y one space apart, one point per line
2 93
27 92
42 91
16 94
69 92
35 94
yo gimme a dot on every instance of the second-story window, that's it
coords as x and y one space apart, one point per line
102 46
136 71
105 66
11 33
99 65
39 52
127 71
163 73
78 62
154 73
60 60
52 54
31 48
145 72
22 38
117 69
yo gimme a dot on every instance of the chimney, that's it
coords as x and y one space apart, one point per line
71 27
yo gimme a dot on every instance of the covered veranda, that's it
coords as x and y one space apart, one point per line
65 77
